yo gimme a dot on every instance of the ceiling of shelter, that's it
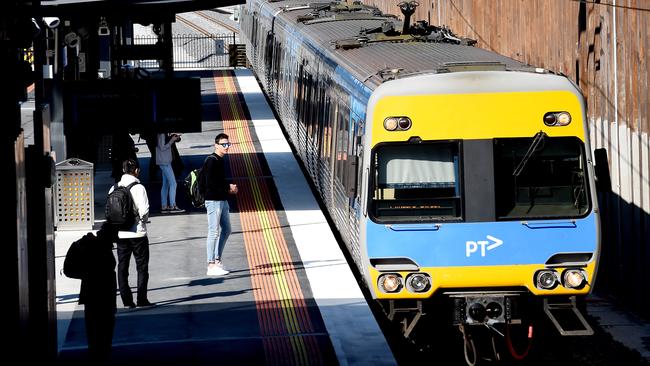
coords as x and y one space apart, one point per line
128 8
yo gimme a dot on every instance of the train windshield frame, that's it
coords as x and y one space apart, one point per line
418 182
541 177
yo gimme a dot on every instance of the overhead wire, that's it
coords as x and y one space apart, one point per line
595 2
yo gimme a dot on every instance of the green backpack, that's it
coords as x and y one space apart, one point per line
195 184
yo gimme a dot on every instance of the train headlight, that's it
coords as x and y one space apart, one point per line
418 282
397 123
563 118
557 119
404 123
546 279
573 278
390 123
390 282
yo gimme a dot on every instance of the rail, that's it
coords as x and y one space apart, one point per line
194 51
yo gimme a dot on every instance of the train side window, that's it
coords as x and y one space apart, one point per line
306 109
254 31
342 143
277 60
353 158
322 111
416 183
326 132
268 51
300 92
313 118
330 109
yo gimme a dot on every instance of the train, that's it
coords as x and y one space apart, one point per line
461 181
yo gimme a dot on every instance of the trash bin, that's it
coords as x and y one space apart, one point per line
74 195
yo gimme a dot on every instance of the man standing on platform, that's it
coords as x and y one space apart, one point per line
97 294
215 189
134 239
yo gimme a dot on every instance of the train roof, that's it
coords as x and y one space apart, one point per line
354 35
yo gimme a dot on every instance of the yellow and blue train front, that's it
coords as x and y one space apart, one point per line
482 181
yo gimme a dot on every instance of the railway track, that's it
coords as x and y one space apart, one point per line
202 30
222 24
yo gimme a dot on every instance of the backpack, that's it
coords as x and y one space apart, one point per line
77 260
120 210
195 186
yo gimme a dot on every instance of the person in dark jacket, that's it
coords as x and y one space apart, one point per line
123 148
164 158
98 295
216 190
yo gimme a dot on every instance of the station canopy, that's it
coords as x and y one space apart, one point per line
131 9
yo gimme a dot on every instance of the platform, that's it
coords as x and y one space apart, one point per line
290 299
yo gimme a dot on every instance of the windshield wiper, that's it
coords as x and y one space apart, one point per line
532 149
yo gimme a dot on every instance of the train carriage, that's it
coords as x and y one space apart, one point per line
452 173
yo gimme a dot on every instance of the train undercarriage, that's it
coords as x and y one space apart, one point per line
493 327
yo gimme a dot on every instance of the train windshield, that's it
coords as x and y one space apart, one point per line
540 177
416 182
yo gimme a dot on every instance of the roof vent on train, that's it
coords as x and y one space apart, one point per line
336 11
389 73
421 31
472 66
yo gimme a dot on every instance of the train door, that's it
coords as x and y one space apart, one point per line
331 148
357 125
268 64
312 121
321 115
325 133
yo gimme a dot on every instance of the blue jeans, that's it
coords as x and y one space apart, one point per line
168 186
218 228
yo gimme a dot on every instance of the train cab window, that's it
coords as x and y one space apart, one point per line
540 177
416 182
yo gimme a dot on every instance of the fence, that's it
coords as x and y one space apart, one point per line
194 51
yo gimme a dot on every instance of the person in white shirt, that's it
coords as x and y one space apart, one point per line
134 240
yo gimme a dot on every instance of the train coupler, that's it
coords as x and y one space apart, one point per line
476 309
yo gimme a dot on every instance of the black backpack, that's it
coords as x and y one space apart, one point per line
78 258
120 210
195 185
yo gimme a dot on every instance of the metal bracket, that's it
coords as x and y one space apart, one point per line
407 326
570 307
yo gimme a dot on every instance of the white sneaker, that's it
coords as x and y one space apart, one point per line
219 264
217 271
